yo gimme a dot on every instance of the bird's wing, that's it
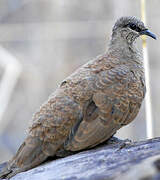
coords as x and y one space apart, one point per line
109 109
52 123
50 128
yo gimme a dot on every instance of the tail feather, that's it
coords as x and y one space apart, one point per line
28 156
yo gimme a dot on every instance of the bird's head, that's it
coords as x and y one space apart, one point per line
130 28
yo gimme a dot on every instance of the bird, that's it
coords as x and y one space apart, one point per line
90 105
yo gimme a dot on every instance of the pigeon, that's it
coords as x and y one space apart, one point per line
90 105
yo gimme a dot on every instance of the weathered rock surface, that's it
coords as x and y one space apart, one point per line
116 159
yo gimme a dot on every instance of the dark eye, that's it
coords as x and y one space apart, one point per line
134 27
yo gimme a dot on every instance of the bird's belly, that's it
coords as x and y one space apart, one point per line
90 134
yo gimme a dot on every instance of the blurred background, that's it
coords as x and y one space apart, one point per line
43 41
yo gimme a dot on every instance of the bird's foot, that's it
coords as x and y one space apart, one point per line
119 142
114 140
124 144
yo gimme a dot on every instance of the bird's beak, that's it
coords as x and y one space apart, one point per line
148 33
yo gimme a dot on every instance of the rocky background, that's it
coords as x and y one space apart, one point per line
50 39
116 159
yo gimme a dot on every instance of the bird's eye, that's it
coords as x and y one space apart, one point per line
134 27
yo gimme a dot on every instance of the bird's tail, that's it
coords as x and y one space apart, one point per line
29 155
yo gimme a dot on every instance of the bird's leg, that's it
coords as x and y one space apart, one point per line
113 140
124 144
121 143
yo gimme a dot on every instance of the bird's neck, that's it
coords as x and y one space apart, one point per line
124 51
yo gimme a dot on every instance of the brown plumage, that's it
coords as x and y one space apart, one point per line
90 105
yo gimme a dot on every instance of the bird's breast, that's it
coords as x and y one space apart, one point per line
136 85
